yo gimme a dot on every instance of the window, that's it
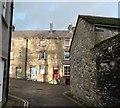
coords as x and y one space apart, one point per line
66 70
66 55
4 8
42 43
11 56
42 55
42 69
67 42
11 68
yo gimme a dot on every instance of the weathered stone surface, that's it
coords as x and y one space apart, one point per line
54 53
108 71
95 64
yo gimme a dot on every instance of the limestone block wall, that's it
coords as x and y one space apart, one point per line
54 56
18 49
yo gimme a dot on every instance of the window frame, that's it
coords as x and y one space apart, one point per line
11 70
40 55
64 70
42 67
64 55
42 44
66 44
12 55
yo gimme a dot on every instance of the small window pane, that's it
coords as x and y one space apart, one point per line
42 55
42 43
42 69
67 42
66 55
11 56
67 70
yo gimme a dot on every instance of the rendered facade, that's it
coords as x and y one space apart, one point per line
6 12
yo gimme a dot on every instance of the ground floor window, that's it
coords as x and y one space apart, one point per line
66 70
42 69
11 69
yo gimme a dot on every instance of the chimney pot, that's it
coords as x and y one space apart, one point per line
51 27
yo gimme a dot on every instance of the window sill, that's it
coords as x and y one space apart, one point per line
66 59
66 45
4 21
66 76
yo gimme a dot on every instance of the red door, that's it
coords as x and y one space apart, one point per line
55 73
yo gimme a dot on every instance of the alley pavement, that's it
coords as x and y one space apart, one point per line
40 94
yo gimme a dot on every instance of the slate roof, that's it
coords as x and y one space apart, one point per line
101 20
42 34
97 20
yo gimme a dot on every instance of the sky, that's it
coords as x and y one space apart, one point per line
38 15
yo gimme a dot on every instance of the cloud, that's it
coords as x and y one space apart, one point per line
37 15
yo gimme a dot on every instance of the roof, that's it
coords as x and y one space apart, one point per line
97 20
43 34
101 20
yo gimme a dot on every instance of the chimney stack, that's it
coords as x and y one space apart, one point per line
51 27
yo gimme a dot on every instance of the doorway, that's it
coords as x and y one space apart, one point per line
33 72
55 72
18 72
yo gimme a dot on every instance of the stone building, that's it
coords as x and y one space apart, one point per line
95 61
6 11
41 55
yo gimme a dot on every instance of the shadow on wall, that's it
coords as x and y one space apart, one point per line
108 71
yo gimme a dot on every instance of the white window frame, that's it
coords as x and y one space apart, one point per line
40 55
42 43
64 71
11 55
64 55
65 42
11 70
42 69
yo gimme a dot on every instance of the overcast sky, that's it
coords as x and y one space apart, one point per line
38 15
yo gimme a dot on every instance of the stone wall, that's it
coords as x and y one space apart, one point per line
18 48
54 56
108 71
84 61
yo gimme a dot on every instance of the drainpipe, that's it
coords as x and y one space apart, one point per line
26 53
9 48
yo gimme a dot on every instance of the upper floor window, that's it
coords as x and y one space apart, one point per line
66 55
42 69
42 55
11 69
11 55
42 43
67 42
4 7
66 70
